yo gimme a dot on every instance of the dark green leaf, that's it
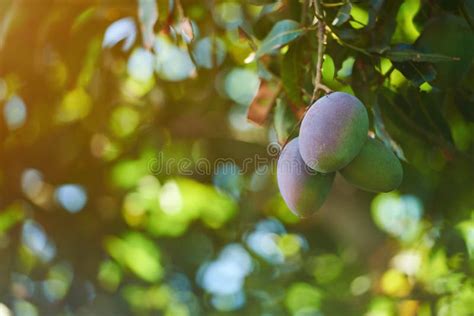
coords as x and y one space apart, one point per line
384 135
414 71
343 15
283 120
467 8
416 56
418 73
449 35
281 34
291 73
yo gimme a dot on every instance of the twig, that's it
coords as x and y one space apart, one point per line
325 88
318 85
304 8
346 44
321 49
333 5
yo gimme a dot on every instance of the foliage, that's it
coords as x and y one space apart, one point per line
98 97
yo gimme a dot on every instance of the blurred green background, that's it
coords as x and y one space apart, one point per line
97 96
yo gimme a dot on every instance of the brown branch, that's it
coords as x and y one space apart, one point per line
304 8
321 48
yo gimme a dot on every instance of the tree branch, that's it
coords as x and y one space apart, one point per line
318 86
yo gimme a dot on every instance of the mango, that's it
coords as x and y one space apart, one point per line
303 189
333 132
375 168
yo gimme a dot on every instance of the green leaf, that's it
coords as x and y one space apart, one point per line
416 56
343 15
283 120
467 9
384 135
417 72
281 34
148 15
291 72
328 69
449 35
138 253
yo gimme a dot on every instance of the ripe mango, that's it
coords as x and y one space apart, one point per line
333 132
303 189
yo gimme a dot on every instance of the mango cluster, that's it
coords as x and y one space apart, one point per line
334 137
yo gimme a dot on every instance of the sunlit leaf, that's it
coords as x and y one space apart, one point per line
123 29
303 298
109 275
75 105
83 18
467 230
282 33
137 253
395 283
328 69
406 30
10 216
23 307
90 63
360 17
326 268
126 173
148 15
124 120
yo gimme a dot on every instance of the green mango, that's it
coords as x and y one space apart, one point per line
375 168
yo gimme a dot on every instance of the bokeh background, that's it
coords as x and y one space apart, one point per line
96 95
